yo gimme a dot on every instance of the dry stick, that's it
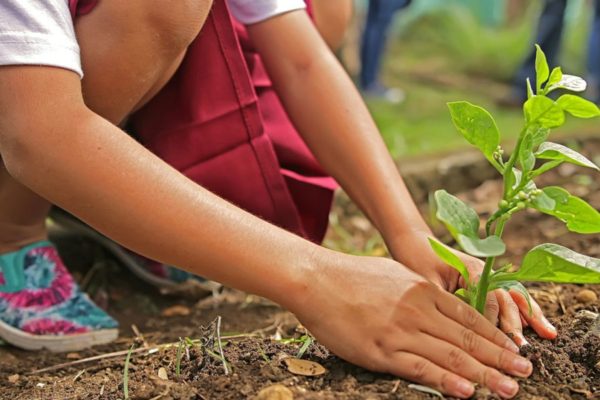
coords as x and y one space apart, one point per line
89 359
221 346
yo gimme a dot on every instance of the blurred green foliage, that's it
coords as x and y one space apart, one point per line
446 54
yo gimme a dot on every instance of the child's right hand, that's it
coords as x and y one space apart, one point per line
378 314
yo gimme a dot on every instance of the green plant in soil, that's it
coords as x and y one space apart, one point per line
532 156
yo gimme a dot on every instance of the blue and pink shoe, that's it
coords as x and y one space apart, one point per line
41 306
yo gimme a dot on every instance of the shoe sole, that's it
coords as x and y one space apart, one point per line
70 223
55 343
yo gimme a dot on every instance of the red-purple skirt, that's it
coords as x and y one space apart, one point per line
219 121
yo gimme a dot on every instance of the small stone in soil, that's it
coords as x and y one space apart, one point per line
176 311
586 296
304 367
275 392
14 378
162 374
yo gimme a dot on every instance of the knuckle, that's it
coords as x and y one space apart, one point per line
409 313
420 369
470 316
492 306
456 359
470 341
447 382
500 338
490 378
504 360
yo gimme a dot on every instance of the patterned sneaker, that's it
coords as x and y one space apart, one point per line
41 306
169 279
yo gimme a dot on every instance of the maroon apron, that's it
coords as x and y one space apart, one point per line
219 122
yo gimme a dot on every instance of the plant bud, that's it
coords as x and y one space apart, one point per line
503 205
522 195
521 205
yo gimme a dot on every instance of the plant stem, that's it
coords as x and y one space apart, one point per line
512 160
484 280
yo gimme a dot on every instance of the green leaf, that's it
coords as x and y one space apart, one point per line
529 89
553 263
476 125
462 294
546 167
539 134
526 157
555 77
513 178
543 111
578 106
515 181
555 151
512 285
543 201
456 215
491 246
463 223
569 82
579 216
447 256
542 71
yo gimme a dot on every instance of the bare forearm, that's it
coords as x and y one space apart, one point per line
334 121
93 169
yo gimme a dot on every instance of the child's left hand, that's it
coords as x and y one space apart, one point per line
509 310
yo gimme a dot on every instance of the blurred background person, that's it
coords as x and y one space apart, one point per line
549 36
379 18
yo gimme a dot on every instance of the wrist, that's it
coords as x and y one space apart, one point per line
302 272
406 245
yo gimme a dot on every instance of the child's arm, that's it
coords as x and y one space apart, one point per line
335 123
371 311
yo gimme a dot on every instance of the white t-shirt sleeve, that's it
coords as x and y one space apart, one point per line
38 32
253 11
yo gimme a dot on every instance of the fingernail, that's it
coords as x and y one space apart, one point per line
548 325
522 366
520 340
510 345
508 388
464 388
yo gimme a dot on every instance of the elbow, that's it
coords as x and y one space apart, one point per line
26 144
18 153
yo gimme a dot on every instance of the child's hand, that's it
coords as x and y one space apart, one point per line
509 310
378 314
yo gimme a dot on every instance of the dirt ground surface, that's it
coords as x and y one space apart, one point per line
254 330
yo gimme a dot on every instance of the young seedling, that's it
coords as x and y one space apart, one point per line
126 373
532 156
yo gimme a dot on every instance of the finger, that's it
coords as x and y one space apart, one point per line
456 360
536 318
477 347
418 369
510 318
469 318
492 309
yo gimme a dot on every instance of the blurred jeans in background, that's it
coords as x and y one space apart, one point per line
379 19
549 34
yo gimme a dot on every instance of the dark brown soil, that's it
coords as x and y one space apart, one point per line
566 368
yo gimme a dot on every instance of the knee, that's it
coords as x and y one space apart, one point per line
176 23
